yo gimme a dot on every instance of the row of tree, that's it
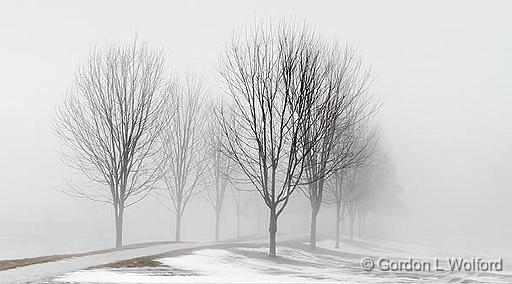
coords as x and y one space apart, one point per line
297 115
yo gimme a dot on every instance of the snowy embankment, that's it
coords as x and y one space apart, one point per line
46 271
248 262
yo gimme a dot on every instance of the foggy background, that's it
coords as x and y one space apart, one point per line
442 70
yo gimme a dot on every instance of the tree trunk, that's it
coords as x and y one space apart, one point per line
119 227
359 225
258 220
312 231
364 224
178 226
238 225
217 224
352 219
337 232
272 230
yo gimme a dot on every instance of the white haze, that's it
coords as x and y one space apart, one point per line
442 70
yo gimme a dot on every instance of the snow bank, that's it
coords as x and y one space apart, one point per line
223 266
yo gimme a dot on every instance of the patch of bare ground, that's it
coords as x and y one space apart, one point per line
14 263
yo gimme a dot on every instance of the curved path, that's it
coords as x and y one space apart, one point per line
44 272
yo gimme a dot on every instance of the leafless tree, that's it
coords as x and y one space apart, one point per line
361 142
265 120
345 193
339 195
238 199
185 162
109 123
381 191
219 168
352 198
361 183
243 195
342 87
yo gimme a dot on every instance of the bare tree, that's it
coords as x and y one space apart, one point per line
185 162
360 140
109 123
338 192
219 167
352 198
344 192
342 86
238 200
361 182
265 119
381 191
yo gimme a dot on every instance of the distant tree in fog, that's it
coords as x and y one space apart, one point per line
338 193
184 147
219 170
353 196
343 189
266 118
345 194
240 201
340 85
380 191
109 124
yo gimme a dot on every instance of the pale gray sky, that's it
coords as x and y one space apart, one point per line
441 68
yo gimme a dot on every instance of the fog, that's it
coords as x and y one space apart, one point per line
441 70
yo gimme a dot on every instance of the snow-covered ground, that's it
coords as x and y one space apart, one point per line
384 247
44 272
296 263
233 265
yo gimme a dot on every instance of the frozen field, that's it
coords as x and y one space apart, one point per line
296 263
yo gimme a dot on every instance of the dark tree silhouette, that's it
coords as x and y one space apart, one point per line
267 115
